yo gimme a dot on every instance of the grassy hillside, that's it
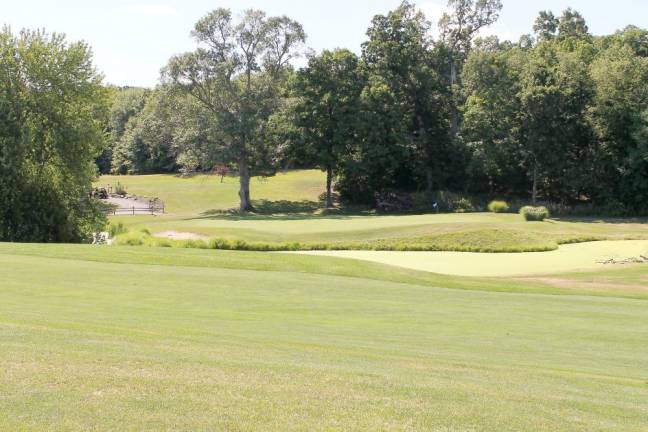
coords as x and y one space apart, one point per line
288 202
202 194
165 339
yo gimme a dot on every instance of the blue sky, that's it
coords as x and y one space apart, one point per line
133 39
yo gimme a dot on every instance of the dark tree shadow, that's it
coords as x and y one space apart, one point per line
287 210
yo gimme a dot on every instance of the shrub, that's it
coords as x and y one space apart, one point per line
498 207
463 205
534 214
115 229
164 243
134 241
120 189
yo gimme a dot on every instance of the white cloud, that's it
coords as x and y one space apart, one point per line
151 9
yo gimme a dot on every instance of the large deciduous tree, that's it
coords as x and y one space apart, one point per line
492 114
236 73
405 138
458 29
126 103
329 92
53 111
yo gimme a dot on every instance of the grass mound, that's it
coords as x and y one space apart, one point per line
483 241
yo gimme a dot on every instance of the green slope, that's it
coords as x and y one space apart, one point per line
108 339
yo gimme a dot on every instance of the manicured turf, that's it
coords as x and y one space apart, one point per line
289 201
100 338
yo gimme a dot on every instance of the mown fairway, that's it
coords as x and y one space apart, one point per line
167 339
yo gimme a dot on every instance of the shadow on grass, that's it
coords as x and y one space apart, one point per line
287 210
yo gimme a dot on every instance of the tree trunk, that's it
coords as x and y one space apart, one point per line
329 188
429 175
244 181
534 197
454 113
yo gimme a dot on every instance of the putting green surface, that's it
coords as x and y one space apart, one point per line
146 339
568 258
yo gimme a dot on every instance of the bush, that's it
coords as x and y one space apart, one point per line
116 229
120 189
463 205
498 207
534 214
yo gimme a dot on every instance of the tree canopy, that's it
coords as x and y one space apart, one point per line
236 74
53 111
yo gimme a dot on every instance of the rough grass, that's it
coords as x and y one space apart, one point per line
482 241
109 339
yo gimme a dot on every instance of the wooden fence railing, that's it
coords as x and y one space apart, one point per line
155 206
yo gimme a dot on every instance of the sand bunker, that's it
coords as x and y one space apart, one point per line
175 235
569 258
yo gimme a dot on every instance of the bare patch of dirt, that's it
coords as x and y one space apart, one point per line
176 235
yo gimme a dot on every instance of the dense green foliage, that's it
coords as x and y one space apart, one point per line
236 75
558 117
327 110
52 114
563 118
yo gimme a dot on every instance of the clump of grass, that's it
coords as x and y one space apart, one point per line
131 239
115 229
120 189
580 239
534 214
498 207
164 243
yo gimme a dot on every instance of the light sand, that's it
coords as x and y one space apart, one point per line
175 235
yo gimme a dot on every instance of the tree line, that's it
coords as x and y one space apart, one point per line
560 115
